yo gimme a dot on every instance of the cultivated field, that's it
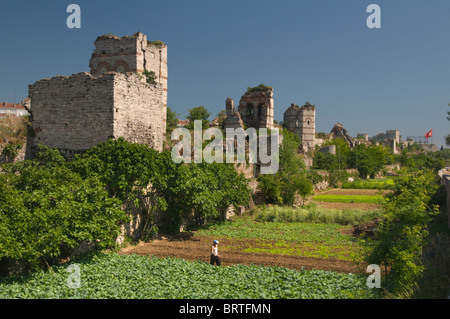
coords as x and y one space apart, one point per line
271 252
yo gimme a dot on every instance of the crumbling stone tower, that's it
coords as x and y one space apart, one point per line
302 122
115 100
130 54
256 108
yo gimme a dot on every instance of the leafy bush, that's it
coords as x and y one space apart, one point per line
402 235
10 151
134 172
45 209
204 191
150 76
291 179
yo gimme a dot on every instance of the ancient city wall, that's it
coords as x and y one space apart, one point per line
130 54
139 110
78 112
72 113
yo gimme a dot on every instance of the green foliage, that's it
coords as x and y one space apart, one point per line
325 161
46 208
314 177
372 184
113 276
402 234
156 43
416 147
127 170
332 162
172 120
204 191
222 113
290 180
432 161
368 160
370 199
48 205
10 151
257 89
150 76
270 186
200 113
315 214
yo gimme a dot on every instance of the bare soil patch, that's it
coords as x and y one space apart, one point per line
193 247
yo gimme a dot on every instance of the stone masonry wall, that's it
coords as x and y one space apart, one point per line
139 111
72 113
78 112
130 54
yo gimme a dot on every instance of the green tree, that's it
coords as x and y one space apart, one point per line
290 180
46 209
172 120
402 234
201 192
132 172
198 113
368 160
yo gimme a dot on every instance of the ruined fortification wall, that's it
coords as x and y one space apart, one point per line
72 113
130 54
139 110
257 109
78 112
115 100
302 122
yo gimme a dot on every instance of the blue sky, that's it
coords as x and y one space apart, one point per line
321 51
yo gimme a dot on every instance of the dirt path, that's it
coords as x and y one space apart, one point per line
192 247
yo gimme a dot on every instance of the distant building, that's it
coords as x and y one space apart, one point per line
12 109
182 123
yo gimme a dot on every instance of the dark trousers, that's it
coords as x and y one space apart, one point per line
215 259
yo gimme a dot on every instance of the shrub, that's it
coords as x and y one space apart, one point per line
402 235
47 209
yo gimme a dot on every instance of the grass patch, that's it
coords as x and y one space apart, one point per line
383 183
368 199
315 214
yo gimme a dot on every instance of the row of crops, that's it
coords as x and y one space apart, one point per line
110 275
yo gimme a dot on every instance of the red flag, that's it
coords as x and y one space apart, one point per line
429 134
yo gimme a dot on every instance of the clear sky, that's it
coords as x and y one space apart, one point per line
321 51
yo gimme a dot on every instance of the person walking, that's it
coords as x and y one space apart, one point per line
215 257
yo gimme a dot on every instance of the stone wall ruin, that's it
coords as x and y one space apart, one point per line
115 100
